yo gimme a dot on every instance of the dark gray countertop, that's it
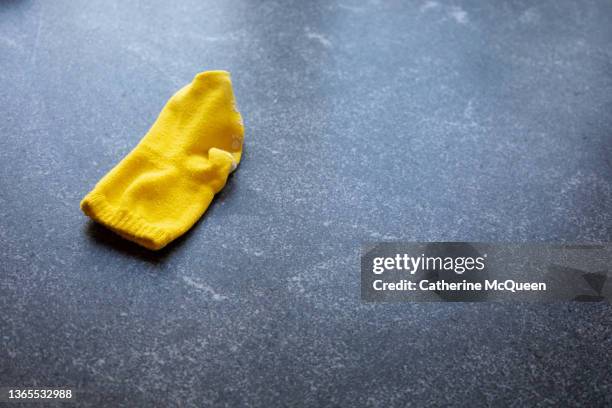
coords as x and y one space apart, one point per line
366 121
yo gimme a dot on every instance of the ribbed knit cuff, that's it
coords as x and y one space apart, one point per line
123 222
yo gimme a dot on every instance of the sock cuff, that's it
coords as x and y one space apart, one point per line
123 222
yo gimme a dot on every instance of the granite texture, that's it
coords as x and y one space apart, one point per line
366 121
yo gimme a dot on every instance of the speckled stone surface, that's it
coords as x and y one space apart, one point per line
366 121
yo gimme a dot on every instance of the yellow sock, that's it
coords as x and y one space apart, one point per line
163 186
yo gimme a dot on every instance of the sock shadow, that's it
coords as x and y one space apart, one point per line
106 237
